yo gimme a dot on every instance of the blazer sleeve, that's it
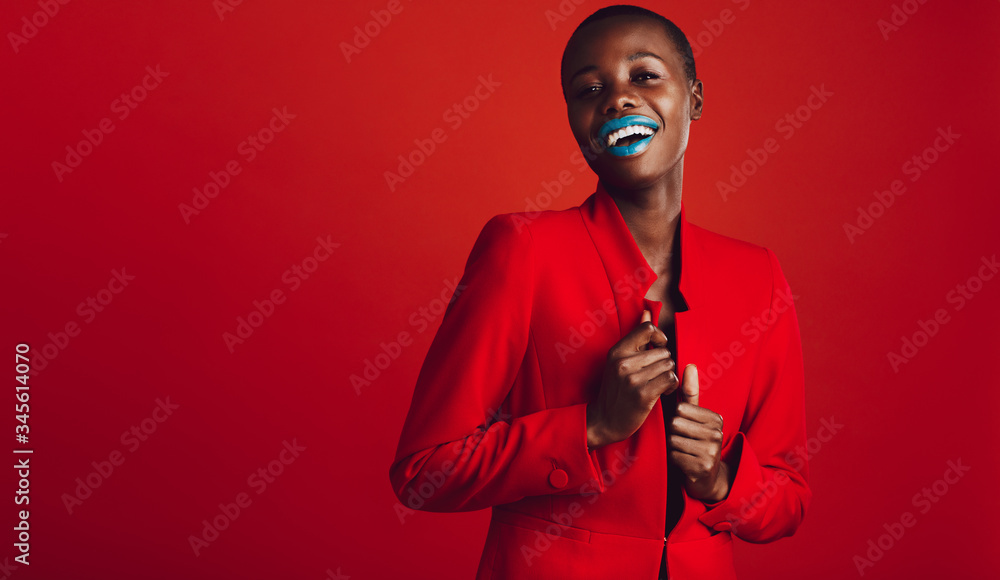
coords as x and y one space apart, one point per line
770 493
459 449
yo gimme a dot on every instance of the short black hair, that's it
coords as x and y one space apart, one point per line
673 32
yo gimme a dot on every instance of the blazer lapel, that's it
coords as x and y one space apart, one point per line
630 276
628 272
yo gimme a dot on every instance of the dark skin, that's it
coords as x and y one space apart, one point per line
627 65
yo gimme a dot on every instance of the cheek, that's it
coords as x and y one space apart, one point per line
676 123
579 124
673 112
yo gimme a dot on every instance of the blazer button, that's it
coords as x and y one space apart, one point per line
558 478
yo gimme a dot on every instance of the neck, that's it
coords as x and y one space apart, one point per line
652 215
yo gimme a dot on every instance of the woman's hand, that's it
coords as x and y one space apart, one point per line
634 379
696 445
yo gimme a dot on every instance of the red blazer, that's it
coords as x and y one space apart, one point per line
498 417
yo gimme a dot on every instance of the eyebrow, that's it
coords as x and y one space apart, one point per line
630 58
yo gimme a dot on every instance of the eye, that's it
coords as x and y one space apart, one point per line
646 76
588 90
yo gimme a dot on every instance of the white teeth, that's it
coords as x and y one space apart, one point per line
614 136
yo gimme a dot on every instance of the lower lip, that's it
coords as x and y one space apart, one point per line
633 149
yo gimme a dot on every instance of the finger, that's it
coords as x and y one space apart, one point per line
658 339
654 365
637 340
688 464
641 375
635 362
657 377
689 386
671 381
689 446
649 333
663 384
647 316
702 415
694 430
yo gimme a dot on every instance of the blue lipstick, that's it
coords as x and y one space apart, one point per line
617 129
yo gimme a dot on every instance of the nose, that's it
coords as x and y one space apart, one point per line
618 97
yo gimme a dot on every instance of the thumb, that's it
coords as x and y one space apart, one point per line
647 316
689 386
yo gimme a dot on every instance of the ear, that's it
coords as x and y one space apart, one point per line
697 99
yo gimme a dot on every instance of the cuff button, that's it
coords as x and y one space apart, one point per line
558 478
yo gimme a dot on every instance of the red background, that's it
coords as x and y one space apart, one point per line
332 508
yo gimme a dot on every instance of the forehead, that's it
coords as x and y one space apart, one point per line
615 39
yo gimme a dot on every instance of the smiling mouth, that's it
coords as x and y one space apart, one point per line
628 135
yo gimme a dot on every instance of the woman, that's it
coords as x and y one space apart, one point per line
550 396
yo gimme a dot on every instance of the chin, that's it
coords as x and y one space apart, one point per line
637 173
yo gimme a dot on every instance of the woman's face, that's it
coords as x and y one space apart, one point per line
629 101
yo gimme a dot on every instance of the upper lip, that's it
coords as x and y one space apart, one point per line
621 122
